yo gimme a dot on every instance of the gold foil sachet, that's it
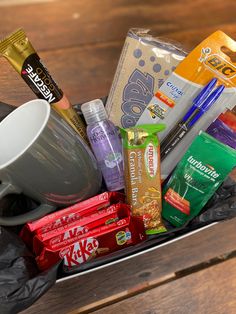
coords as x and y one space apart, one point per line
20 53
141 150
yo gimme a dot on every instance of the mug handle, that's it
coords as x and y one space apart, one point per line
41 210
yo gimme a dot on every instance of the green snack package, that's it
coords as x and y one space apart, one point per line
198 175
141 150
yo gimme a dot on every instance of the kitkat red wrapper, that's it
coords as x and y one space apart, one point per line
64 218
97 242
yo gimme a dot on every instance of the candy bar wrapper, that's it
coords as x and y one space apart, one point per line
59 237
98 242
67 216
229 118
223 133
142 174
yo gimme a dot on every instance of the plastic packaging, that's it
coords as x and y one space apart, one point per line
67 217
229 118
106 144
18 50
145 63
219 130
79 228
142 174
21 284
201 104
200 172
100 241
210 59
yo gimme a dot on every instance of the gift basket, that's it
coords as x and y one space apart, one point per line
86 185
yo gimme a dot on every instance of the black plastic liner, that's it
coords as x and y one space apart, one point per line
21 284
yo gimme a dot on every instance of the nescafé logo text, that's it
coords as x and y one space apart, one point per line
217 63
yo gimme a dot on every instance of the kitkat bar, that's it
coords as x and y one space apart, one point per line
76 211
80 227
69 215
100 241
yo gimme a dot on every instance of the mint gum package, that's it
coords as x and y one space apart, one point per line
145 63
198 175
211 59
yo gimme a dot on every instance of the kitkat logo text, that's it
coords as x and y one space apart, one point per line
80 252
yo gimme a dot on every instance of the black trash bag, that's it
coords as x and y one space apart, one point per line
221 206
21 284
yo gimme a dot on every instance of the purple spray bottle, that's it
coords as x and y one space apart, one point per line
106 144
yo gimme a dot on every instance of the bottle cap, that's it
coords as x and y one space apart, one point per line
94 111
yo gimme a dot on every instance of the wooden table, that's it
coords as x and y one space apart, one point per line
80 42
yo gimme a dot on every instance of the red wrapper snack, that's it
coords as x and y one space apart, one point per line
97 242
80 227
229 118
67 216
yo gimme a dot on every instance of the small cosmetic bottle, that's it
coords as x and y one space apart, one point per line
105 143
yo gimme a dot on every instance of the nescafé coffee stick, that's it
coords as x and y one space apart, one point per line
18 50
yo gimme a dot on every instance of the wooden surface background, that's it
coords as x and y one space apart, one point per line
80 43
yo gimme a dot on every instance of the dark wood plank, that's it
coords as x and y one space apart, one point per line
70 23
20 2
211 290
85 73
139 272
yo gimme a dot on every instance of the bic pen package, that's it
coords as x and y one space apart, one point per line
18 50
195 94
201 104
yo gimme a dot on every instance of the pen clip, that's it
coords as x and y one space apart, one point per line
200 98
205 92
212 98
206 105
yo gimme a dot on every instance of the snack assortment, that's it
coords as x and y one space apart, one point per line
92 228
164 143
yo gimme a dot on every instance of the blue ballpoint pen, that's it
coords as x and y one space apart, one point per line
199 107
205 92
